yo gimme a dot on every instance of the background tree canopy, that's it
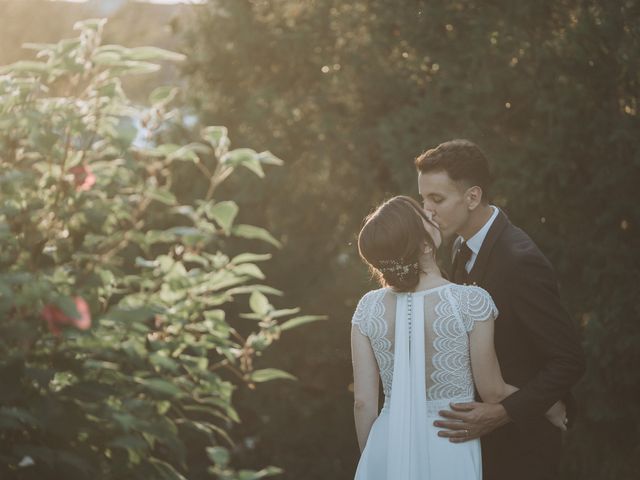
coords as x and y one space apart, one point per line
350 92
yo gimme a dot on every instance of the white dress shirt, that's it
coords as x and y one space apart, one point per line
475 242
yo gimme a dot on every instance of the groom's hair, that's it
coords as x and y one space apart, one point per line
462 160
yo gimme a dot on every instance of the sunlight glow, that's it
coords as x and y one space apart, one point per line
165 2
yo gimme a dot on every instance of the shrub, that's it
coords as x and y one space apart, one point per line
117 356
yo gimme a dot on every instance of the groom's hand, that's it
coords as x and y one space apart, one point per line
467 421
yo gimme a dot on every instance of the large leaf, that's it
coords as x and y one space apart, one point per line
253 232
268 158
219 456
259 303
162 195
164 470
160 386
297 321
16 418
155 54
250 257
265 472
244 157
269 374
24 66
223 213
248 269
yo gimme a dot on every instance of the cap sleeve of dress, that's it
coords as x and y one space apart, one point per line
361 315
476 305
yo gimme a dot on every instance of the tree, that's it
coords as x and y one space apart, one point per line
352 91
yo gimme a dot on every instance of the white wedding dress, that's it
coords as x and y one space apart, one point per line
421 344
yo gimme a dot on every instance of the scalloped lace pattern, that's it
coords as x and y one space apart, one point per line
457 309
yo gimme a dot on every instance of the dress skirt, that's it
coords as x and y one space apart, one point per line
443 460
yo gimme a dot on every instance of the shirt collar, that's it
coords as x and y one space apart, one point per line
475 242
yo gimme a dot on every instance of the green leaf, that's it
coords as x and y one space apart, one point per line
189 235
268 374
162 195
106 58
186 152
244 157
268 158
248 269
134 442
164 362
250 257
259 303
255 288
284 312
141 262
24 66
265 472
163 150
164 470
215 135
219 456
215 315
160 386
16 418
128 315
223 213
129 67
155 54
297 321
253 232
163 95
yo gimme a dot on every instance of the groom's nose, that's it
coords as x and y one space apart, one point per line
428 209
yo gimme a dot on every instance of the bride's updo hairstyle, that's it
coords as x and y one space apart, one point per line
392 240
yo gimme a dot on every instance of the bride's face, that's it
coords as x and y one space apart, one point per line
432 229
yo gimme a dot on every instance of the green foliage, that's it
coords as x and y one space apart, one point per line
134 376
351 91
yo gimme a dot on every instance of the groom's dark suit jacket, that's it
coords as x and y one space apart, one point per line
538 349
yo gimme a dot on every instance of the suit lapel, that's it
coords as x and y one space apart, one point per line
480 266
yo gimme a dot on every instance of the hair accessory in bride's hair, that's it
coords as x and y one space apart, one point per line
396 267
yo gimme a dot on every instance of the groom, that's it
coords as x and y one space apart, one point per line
536 342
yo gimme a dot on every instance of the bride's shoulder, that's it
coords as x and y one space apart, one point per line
372 295
365 305
475 302
469 291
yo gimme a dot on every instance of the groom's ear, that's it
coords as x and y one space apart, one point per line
473 197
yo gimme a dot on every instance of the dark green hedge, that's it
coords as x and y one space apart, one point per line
349 92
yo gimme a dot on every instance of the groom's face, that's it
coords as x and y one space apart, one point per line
445 199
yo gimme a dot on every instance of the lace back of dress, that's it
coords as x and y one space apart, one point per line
447 372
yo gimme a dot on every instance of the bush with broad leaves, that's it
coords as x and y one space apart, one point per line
118 358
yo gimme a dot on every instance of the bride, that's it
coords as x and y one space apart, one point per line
429 341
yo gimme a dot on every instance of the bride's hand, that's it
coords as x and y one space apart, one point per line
557 415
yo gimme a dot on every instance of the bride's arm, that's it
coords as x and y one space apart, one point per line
365 385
